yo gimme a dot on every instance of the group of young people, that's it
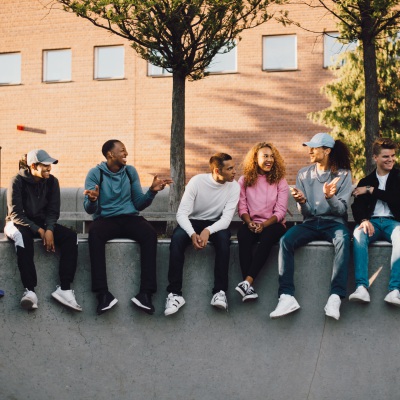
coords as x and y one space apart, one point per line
114 196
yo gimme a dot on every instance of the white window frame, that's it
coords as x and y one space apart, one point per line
154 71
57 65
278 64
10 68
109 72
333 48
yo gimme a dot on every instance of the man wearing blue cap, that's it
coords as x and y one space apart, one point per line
322 193
33 202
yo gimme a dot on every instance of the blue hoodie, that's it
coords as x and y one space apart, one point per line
117 195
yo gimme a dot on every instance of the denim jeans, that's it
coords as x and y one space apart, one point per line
180 240
385 229
315 229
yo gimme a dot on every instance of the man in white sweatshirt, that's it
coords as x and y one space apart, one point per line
205 213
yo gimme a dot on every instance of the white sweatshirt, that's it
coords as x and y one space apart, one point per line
206 199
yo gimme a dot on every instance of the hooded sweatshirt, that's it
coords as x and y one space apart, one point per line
118 196
33 204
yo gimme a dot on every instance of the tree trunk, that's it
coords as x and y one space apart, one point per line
371 91
177 151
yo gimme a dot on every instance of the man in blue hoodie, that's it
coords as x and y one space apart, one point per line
114 196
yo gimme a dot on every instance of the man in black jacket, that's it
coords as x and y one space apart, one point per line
376 210
33 202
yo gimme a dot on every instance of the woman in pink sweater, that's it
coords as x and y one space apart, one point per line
262 206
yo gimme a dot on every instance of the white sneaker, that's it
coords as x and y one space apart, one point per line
66 297
219 300
286 305
29 300
173 303
393 297
332 306
361 294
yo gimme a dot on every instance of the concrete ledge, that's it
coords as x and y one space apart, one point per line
199 353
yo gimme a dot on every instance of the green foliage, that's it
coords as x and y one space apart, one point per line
179 36
345 116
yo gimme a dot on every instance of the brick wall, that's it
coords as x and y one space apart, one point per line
224 112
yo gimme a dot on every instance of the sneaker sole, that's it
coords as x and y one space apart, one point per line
144 308
358 300
295 308
173 310
393 304
240 291
28 305
250 298
111 305
332 316
221 306
63 301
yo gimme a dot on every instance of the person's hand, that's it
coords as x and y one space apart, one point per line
358 191
259 228
252 226
329 189
367 228
92 195
48 241
196 241
298 195
159 184
204 236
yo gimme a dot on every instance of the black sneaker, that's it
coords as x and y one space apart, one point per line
143 301
242 287
250 295
105 302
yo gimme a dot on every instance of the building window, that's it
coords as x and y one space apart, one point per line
57 65
10 68
333 48
279 53
221 63
109 62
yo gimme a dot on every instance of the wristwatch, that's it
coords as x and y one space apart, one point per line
368 188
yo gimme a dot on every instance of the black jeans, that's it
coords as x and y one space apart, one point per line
65 238
180 240
123 226
249 264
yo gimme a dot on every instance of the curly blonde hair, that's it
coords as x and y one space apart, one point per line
250 165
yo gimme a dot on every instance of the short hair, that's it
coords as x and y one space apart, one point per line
383 143
109 145
217 160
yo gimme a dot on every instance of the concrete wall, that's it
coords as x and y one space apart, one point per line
199 353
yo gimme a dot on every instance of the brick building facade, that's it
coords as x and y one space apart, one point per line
224 112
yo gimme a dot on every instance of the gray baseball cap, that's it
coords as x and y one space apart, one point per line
321 140
40 156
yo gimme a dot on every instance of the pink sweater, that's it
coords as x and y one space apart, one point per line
262 200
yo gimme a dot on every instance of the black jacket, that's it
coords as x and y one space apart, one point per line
33 204
364 205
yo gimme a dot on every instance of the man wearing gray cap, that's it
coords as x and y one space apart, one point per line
322 193
33 202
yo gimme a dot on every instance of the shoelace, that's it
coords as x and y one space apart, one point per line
250 290
170 301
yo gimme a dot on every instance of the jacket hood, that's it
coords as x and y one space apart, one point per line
27 176
106 171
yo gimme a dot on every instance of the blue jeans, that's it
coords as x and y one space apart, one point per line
316 229
180 240
385 229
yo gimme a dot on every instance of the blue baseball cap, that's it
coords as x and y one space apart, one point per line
321 140
40 156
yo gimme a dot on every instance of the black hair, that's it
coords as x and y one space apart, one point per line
217 160
108 146
339 157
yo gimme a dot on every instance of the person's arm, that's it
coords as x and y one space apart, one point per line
91 192
340 201
15 205
186 208
227 212
281 205
360 207
53 205
302 205
140 200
